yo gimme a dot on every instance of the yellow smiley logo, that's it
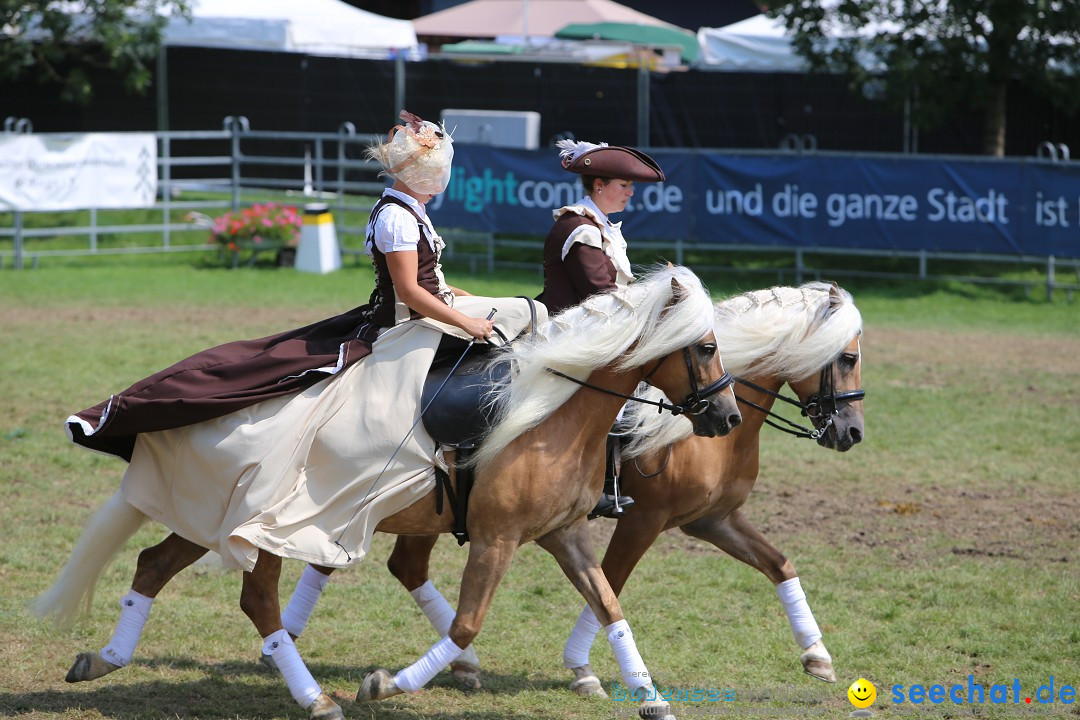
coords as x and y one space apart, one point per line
862 693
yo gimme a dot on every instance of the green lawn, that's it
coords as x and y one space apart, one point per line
946 545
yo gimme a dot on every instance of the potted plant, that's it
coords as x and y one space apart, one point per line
263 227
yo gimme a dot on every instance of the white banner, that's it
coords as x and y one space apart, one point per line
71 172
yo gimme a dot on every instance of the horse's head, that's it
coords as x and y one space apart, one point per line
832 399
696 374
700 380
660 328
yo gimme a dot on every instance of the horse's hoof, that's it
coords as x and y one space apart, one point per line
817 662
466 668
377 685
655 710
467 674
268 662
325 709
89 666
588 686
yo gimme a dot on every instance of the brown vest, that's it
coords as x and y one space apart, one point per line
383 296
585 271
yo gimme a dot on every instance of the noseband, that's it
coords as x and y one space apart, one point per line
695 403
820 408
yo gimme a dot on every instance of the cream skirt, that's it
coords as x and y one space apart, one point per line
307 476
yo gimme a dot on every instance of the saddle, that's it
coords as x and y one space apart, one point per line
457 410
457 413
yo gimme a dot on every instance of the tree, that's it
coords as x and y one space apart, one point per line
58 41
943 54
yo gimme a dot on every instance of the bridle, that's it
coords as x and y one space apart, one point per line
820 408
696 403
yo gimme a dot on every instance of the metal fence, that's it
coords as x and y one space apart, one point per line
223 165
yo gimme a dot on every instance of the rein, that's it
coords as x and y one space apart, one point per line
824 404
695 403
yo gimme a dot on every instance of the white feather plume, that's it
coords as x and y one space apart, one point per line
571 150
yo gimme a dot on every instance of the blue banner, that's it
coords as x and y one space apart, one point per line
948 205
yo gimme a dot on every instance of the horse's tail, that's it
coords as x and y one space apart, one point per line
104 536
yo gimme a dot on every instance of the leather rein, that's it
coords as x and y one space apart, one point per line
695 403
825 404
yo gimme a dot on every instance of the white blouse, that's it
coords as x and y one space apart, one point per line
608 237
395 229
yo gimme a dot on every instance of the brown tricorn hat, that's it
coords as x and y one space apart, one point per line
610 161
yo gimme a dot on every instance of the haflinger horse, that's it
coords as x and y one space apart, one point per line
806 337
538 473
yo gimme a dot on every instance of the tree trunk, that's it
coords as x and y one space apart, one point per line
994 121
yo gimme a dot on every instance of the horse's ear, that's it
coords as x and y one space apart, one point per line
836 295
677 290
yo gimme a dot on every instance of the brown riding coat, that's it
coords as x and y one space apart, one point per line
584 271
223 379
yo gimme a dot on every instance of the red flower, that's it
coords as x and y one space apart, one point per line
261 224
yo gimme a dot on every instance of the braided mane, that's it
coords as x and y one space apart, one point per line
788 333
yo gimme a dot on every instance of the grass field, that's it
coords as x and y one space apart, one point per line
947 545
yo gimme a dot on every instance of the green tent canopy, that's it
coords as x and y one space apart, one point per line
631 32
480 47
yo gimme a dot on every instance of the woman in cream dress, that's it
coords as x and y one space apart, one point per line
299 443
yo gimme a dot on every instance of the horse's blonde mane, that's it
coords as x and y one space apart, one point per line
787 333
629 327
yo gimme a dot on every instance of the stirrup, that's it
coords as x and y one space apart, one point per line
611 506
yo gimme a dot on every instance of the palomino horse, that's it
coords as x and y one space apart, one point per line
805 337
660 330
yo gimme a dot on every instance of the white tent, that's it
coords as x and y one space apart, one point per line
756 44
315 27
762 44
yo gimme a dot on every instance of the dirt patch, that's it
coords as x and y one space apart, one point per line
981 351
920 524
923 523
108 317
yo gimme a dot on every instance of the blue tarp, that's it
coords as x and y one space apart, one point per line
883 203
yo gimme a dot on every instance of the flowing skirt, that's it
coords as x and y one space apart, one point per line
306 476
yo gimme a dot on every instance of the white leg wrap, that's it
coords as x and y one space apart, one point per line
134 612
803 625
576 651
308 590
440 614
634 672
435 607
301 684
420 672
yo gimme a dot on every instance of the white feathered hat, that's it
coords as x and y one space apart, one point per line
418 153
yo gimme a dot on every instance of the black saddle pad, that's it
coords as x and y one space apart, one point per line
457 410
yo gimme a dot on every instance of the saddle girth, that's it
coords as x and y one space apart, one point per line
459 501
